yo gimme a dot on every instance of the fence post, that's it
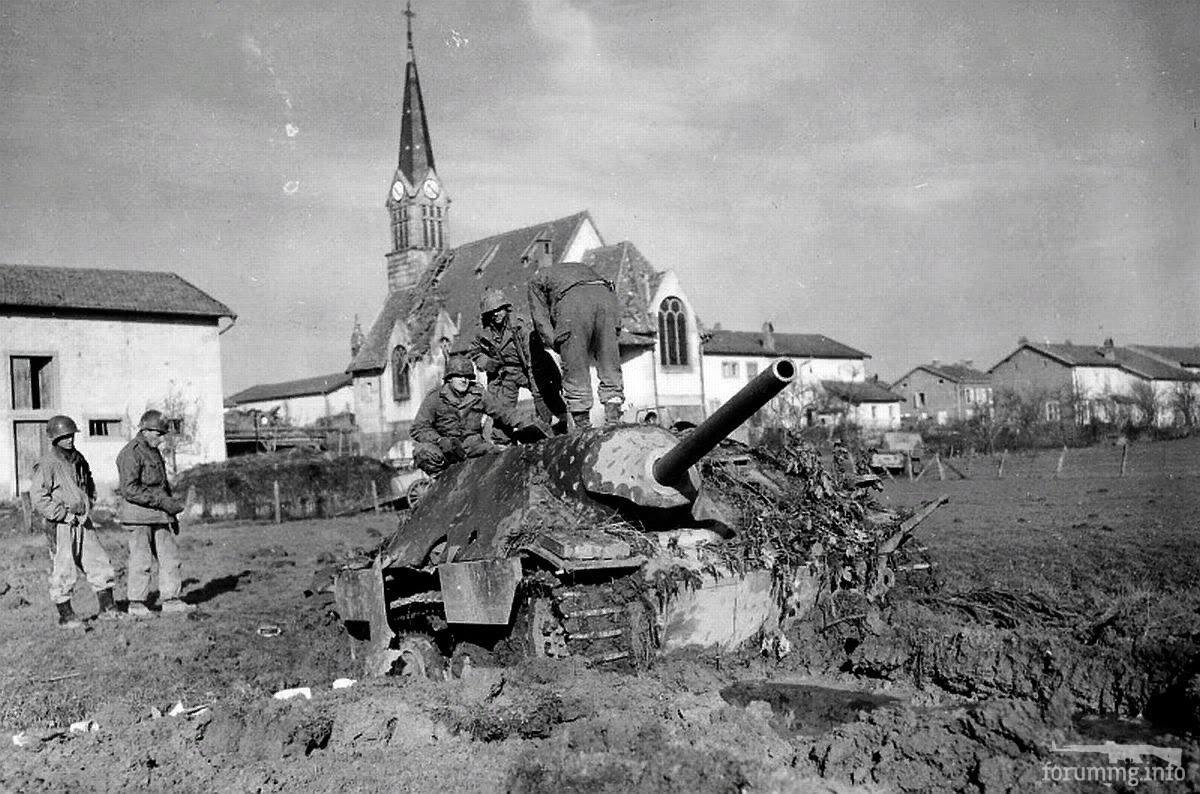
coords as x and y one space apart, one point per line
941 471
278 512
1000 468
1124 456
1061 459
27 512
375 496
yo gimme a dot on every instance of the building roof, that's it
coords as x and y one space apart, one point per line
955 373
93 289
751 343
1106 355
456 279
321 384
1180 356
856 392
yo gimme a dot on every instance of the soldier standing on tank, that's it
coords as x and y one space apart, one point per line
63 494
148 511
514 358
448 427
575 313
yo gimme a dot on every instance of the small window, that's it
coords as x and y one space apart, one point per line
104 427
874 410
919 400
400 374
751 370
174 426
1053 411
729 369
32 386
970 395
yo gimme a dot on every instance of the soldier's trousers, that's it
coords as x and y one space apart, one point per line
75 548
148 542
430 458
585 324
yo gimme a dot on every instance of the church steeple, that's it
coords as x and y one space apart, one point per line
416 202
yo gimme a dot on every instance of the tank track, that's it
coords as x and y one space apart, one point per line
609 623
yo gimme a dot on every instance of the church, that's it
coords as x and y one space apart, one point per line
433 291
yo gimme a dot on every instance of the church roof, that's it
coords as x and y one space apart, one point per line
321 384
94 289
416 151
456 279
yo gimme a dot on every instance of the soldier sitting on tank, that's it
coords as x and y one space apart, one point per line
514 358
449 425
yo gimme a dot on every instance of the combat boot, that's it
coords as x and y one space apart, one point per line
138 609
582 420
66 616
612 413
108 610
177 607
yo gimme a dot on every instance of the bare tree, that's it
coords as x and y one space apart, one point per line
1146 403
1185 399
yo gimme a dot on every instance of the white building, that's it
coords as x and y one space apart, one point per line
733 358
299 402
103 346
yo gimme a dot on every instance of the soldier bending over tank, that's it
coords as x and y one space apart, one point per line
449 425
575 313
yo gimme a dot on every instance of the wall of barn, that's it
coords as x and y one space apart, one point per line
110 370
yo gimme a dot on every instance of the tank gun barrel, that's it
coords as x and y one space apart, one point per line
671 467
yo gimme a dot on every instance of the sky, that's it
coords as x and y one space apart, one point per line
919 180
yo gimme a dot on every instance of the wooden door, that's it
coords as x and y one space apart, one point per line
31 445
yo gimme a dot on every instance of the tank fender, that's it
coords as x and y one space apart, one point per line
480 591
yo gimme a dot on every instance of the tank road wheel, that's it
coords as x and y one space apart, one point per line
418 657
416 492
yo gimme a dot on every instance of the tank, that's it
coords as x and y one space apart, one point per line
598 546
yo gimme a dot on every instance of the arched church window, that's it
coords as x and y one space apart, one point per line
672 333
400 374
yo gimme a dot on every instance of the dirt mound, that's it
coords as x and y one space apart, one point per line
993 747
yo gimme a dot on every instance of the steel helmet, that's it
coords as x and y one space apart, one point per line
492 300
60 426
459 366
154 420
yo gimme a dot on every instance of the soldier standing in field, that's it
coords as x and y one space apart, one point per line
575 313
514 358
63 494
148 511
448 427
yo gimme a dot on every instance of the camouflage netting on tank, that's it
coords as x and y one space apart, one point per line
794 512
310 485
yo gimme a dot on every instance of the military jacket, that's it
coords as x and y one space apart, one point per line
444 414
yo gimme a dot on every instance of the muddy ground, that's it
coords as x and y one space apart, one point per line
1058 611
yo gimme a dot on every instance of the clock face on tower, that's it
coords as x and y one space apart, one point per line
430 188
398 190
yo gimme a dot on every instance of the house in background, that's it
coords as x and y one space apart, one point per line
869 404
103 346
733 358
944 392
1104 383
432 303
299 402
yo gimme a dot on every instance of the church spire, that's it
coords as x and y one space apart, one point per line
416 153
417 203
